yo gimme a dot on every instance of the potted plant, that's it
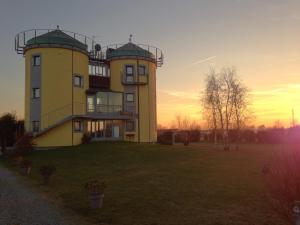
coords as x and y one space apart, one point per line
26 166
47 171
95 190
18 159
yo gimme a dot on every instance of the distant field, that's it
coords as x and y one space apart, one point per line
162 185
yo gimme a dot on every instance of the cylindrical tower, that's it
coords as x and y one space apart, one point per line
56 78
133 72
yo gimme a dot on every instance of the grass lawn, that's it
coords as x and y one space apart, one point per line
161 185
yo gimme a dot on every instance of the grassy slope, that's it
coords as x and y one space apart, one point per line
154 184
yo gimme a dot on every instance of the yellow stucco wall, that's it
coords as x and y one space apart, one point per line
147 97
58 65
59 136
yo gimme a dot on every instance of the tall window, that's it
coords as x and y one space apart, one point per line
129 73
98 70
36 93
142 70
35 126
36 60
129 97
90 104
78 81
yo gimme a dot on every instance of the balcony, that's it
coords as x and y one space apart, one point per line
99 82
101 111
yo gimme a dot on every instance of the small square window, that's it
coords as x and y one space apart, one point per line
129 78
142 70
129 97
78 81
130 125
35 126
36 93
77 126
129 70
36 60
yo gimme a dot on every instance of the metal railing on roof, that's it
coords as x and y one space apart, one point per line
154 53
22 38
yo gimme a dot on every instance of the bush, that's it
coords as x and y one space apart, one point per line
282 177
95 187
86 138
47 171
24 145
165 138
26 164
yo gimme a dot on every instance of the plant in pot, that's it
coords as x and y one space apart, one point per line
26 166
46 172
18 159
95 190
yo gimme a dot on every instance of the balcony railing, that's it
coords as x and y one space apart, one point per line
100 108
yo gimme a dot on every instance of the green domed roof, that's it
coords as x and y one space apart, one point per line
129 50
56 37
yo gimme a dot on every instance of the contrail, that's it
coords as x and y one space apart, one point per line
203 61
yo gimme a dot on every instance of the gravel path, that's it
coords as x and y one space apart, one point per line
19 205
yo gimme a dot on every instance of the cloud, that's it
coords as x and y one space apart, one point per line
202 61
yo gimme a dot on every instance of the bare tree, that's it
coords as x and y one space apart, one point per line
185 123
225 102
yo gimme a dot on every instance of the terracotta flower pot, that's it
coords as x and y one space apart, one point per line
96 200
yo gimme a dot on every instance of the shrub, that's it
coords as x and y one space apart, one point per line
26 164
165 138
95 187
24 145
86 138
46 172
282 177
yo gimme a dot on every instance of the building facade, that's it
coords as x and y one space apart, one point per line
74 87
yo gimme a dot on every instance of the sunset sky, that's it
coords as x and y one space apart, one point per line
261 38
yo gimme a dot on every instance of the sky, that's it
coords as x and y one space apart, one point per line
260 38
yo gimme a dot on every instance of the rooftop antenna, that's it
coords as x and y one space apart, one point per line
130 38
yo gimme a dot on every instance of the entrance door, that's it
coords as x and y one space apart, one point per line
116 131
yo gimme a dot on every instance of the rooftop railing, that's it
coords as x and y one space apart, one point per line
22 38
93 49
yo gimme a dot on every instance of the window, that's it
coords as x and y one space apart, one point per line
35 93
129 73
35 126
78 81
98 70
130 125
142 70
77 126
36 60
129 97
90 104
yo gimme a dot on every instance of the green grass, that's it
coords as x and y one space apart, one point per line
161 185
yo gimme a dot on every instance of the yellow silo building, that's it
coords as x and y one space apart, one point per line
74 87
